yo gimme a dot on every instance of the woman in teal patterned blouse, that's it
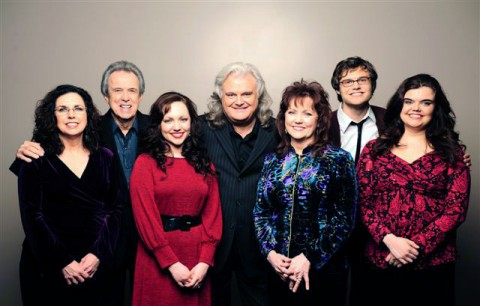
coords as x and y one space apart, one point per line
306 203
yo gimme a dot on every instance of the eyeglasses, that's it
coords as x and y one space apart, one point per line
360 81
63 110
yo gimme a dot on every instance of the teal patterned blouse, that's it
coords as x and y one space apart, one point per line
306 204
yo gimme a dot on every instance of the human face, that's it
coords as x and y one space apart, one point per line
71 115
301 120
240 99
123 96
418 106
176 126
356 95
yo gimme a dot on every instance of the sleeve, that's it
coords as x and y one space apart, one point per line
367 186
44 241
105 245
146 213
211 222
455 208
335 230
263 212
15 166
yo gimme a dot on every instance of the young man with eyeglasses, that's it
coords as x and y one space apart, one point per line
353 124
354 80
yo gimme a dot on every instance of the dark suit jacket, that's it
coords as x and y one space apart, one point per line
334 132
238 191
127 244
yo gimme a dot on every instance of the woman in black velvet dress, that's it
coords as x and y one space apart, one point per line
69 204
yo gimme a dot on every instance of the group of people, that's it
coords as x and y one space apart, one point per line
173 205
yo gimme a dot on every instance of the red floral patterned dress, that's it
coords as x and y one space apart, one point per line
424 201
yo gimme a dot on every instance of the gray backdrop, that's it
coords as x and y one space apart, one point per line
182 45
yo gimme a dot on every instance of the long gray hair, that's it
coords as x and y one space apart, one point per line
215 115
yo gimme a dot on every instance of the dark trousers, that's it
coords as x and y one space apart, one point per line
251 282
404 286
327 287
37 287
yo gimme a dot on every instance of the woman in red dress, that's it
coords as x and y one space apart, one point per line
413 195
176 206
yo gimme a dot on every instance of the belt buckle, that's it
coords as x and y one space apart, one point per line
186 224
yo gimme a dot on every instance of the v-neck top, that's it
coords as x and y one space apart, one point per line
424 201
65 216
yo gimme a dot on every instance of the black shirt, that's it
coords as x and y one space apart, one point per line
243 146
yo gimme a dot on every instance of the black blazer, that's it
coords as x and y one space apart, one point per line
127 243
334 131
238 191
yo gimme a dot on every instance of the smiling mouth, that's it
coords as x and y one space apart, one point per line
416 116
177 135
125 106
298 128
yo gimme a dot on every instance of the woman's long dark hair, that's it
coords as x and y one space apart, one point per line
154 144
440 131
296 92
46 132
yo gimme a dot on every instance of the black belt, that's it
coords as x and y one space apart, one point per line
183 223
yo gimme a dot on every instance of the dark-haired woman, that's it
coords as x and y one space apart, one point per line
306 204
414 190
176 206
69 204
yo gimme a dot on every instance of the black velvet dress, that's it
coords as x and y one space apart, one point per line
64 218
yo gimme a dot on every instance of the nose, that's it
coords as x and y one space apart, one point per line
298 118
416 106
71 113
239 99
125 96
176 126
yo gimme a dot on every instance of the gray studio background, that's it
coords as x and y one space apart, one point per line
182 45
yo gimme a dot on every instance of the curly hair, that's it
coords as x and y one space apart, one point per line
439 131
352 63
46 131
154 144
216 117
296 93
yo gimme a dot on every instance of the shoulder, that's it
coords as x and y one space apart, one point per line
143 120
337 153
370 144
378 108
333 114
145 158
206 126
106 152
378 111
36 165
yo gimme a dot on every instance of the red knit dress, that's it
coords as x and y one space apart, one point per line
181 191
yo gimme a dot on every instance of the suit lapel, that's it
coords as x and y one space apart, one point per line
224 138
264 138
107 132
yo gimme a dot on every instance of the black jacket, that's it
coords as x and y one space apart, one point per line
238 191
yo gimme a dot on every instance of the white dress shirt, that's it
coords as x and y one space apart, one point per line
349 133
